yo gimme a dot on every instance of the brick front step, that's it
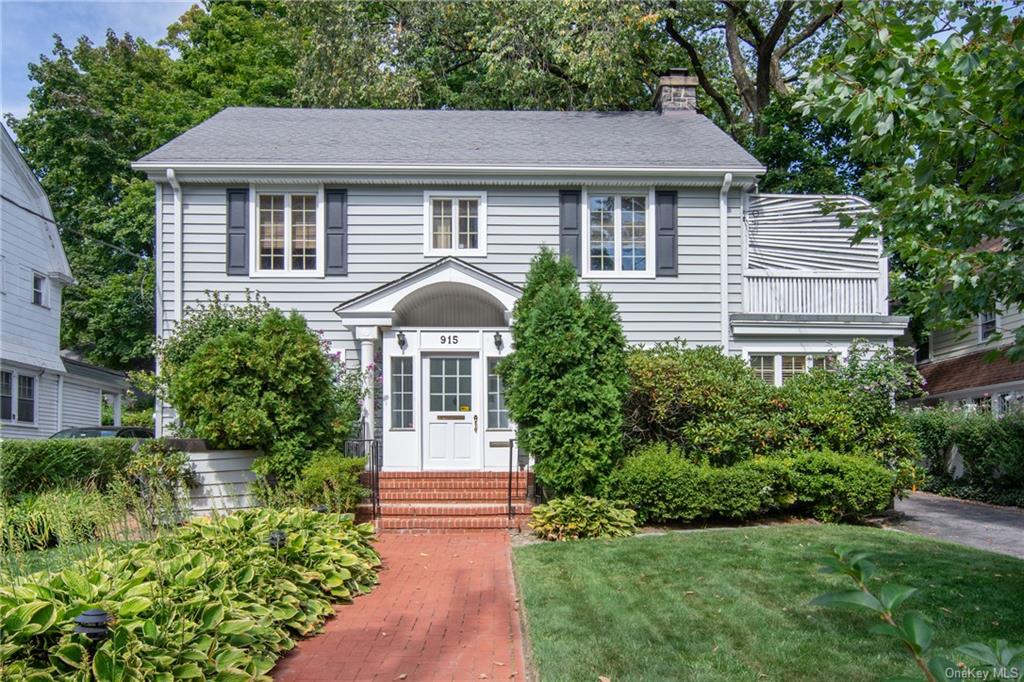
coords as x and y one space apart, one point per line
420 475
449 509
452 484
451 495
417 523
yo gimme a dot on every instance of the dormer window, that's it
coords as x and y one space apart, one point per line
456 223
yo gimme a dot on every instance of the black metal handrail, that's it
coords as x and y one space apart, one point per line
511 457
369 449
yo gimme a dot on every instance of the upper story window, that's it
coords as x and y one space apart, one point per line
619 234
988 324
289 233
456 223
39 289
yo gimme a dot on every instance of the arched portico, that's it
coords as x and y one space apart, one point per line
441 331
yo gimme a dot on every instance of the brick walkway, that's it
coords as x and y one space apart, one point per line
445 609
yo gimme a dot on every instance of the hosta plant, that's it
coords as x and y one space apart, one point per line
578 517
214 600
912 630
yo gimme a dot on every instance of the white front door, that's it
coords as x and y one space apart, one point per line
451 412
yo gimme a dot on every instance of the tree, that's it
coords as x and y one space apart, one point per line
932 95
566 378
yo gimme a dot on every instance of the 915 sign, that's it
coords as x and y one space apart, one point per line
449 339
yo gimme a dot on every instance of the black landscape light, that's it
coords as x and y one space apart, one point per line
401 340
498 343
94 624
277 538
322 508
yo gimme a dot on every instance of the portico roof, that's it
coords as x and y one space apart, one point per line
377 307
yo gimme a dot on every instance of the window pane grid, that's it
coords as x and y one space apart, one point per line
303 232
37 289
988 325
468 224
764 367
26 398
602 233
271 231
497 413
451 385
442 225
401 393
634 233
793 365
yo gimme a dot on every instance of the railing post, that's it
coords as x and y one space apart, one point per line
511 452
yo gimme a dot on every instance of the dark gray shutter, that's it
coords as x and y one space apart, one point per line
666 234
238 232
570 243
336 242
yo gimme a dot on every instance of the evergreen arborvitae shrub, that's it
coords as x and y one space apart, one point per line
566 378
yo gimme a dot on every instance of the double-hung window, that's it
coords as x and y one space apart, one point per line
988 324
289 233
456 223
17 397
619 234
39 289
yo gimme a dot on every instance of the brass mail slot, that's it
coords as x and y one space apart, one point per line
500 443
452 417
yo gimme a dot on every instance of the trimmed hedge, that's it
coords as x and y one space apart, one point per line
211 601
662 486
28 466
992 451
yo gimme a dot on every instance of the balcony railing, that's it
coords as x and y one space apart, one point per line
814 292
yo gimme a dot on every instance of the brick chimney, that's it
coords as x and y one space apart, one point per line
677 91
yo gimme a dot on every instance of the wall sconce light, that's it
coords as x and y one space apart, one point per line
401 340
94 624
498 343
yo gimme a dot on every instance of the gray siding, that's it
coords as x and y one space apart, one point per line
948 343
81 404
224 478
386 242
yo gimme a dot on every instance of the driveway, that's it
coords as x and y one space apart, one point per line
996 529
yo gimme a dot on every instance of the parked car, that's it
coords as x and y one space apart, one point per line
105 432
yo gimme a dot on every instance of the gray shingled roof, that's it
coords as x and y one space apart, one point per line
456 138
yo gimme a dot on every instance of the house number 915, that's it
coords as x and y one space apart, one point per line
449 339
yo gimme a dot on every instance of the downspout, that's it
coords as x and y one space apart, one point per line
60 401
179 241
723 237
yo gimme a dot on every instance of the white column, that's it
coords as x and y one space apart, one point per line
367 336
117 409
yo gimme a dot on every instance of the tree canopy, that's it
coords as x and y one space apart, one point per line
933 94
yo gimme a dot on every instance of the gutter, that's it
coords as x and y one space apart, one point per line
179 241
387 168
723 236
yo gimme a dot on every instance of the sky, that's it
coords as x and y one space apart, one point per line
27 28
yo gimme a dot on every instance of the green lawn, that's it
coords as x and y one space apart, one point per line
732 604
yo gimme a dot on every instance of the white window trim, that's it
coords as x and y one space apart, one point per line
981 332
46 290
254 232
481 223
14 399
795 349
487 397
651 256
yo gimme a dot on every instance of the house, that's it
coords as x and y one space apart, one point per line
406 235
961 368
41 391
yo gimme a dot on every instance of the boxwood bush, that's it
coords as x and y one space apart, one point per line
28 466
212 601
661 485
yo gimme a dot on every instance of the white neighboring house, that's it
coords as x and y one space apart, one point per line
406 236
41 391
